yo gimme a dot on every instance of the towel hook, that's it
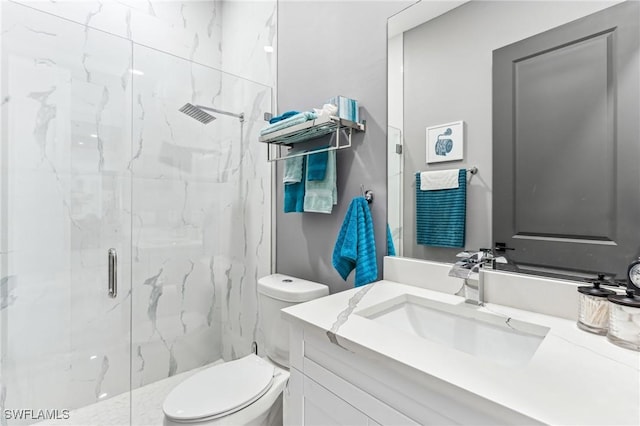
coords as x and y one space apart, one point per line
367 194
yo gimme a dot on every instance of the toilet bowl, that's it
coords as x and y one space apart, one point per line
246 391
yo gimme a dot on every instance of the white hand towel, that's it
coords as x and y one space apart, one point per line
441 179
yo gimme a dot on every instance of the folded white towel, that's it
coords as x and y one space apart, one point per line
441 179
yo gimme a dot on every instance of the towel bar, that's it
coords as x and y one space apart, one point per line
312 129
473 170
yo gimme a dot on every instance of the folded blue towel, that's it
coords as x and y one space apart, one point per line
288 122
317 165
283 116
441 214
294 195
391 248
356 246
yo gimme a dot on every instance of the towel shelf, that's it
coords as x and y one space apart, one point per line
309 130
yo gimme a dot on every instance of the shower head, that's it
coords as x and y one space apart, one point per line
196 112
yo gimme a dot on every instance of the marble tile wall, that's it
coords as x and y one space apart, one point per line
249 43
189 29
250 238
200 236
249 37
91 90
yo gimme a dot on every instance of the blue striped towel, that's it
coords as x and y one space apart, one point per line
356 246
441 214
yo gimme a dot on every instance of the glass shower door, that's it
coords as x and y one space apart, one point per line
65 200
200 221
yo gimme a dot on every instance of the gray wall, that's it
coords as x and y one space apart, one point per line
327 49
447 77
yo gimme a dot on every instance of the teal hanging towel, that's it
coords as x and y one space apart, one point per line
441 213
391 248
356 246
294 184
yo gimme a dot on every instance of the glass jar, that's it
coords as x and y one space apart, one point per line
593 315
624 321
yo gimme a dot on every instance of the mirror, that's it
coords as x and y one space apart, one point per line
441 71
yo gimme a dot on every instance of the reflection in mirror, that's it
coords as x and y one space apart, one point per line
441 71
394 186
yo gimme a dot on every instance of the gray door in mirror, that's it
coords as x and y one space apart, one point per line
566 150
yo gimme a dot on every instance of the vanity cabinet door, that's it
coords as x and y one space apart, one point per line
321 381
323 408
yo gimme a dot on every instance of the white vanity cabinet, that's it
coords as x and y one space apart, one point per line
392 361
330 385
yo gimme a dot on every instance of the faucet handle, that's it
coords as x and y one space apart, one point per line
502 247
487 258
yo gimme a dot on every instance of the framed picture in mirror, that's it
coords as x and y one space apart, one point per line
445 142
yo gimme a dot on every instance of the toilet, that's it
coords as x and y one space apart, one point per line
246 391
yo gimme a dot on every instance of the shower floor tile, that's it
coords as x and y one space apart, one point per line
146 406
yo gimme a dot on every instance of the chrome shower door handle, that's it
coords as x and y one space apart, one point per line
113 273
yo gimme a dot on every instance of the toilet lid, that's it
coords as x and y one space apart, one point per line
219 390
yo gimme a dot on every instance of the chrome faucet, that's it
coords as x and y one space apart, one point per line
470 268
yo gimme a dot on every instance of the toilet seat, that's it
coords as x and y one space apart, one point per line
219 390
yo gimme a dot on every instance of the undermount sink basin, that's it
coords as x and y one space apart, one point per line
462 327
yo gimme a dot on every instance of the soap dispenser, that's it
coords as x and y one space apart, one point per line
624 312
594 307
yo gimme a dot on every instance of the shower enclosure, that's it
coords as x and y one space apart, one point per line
96 158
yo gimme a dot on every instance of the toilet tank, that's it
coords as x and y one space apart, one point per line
276 292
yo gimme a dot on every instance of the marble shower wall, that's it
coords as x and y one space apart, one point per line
95 155
229 35
248 32
200 235
188 29
249 37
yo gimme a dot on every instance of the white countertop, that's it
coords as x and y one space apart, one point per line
573 378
